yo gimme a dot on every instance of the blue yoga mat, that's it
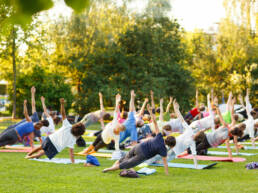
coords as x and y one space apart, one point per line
245 147
189 166
226 153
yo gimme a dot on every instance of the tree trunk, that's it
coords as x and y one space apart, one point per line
14 75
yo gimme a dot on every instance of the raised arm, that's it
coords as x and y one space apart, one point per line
220 116
44 106
118 99
25 111
169 104
161 110
233 121
152 100
229 101
153 117
179 115
101 102
132 106
62 109
248 105
146 100
33 104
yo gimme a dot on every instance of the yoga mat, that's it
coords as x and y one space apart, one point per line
106 155
245 147
226 153
15 150
213 158
59 160
19 147
188 166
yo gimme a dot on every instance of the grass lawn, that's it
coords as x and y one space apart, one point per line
20 175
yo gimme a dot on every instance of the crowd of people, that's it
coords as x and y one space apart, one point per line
151 139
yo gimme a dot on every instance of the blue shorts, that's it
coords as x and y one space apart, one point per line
49 149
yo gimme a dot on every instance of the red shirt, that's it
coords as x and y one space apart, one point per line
194 111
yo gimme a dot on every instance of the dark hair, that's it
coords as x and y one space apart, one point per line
124 115
253 113
167 127
57 120
44 123
202 108
237 132
242 126
170 141
236 117
106 116
78 129
158 110
199 137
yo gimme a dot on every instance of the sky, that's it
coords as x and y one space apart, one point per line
191 14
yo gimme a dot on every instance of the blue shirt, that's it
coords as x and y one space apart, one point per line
25 128
130 122
154 146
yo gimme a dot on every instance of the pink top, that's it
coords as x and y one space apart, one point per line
206 114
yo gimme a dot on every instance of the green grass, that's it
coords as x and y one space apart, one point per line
20 175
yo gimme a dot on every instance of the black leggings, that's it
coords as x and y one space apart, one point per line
99 143
202 144
8 137
133 158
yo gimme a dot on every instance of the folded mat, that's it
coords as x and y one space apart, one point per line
146 171
213 158
59 160
15 150
107 155
245 147
226 153
189 166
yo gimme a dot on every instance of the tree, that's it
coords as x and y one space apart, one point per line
50 85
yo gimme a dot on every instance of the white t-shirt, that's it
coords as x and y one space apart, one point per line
63 137
108 133
50 128
218 136
185 140
204 123
249 129
161 124
176 125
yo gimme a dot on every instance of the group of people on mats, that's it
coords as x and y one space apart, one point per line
152 139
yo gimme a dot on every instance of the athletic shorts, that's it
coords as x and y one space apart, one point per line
49 149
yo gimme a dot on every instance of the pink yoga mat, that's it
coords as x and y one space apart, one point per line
214 158
15 150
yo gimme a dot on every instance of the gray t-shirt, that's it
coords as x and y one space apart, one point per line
91 118
217 137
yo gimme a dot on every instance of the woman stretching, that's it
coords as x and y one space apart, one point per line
110 132
146 150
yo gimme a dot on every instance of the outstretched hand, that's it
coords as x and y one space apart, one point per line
170 99
42 99
118 98
25 102
33 89
146 100
100 95
132 93
62 101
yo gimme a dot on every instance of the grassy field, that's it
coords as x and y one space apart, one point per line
20 175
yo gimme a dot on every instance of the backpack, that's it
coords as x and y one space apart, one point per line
80 142
129 174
